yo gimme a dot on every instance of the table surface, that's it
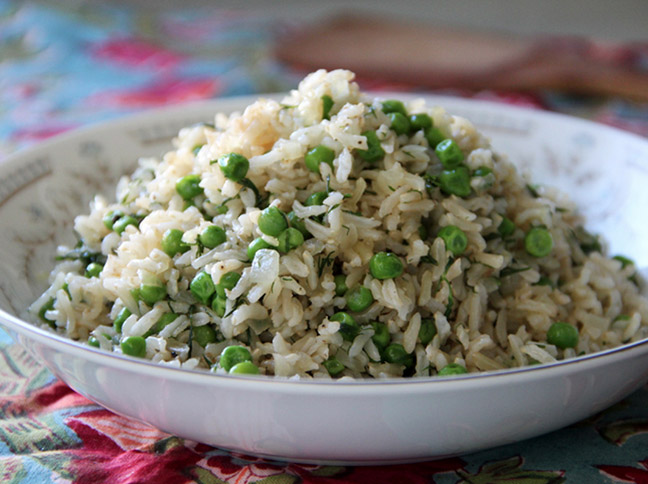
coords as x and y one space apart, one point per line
70 64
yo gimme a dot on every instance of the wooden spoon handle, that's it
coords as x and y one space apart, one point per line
434 58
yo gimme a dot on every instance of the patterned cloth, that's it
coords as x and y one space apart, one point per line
67 65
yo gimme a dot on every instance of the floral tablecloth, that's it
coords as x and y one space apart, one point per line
64 65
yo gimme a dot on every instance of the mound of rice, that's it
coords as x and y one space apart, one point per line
487 308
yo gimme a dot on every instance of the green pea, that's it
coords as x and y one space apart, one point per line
233 355
172 243
395 353
327 104
150 293
427 331
506 227
452 369
212 236
624 260
122 316
299 224
538 242
563 335
333 366
134 346
93 269
203 335
449 153
455 239
434 136
374 151
359 298
234 166
163 322
381 336
219 305
340 285
419 122
256 245
244 368
385 265
394 106
111 217
189 187
349 329
227 281
272 221
289 239
482 171
94 342
399 123
316 156
316 198
120 225
202 287
456 181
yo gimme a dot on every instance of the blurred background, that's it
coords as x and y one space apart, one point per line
64 64
623 20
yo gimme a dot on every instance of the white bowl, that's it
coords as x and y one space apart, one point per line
41 189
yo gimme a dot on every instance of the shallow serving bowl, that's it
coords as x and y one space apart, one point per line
41 190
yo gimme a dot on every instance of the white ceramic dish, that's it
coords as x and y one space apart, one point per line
41 189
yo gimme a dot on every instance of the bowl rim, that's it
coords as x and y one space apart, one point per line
234 103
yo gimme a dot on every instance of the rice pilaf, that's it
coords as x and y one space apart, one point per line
334 234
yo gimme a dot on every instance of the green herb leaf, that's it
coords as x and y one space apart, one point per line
428 259
322 263
533 190
507 271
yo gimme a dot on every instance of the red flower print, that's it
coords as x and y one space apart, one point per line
23 91
132 52
627 473
244 469
103 460
170 91
39 133
59 396
419 473
127 433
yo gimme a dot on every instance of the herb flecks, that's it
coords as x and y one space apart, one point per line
588 243
83 255
428 259
508 271
533 190
323 262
